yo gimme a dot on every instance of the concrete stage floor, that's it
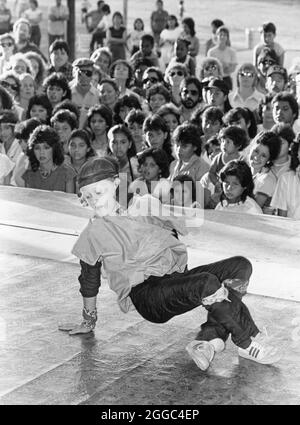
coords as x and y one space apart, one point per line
129 360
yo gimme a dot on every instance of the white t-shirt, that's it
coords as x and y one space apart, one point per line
248 207
6 166
287 194
265 182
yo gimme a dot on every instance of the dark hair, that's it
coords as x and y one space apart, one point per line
236 134
59 45
169 108
44 134
158 88
213 113
174 18
14 76
111 82
155 123
8 117
147 37
97 53
102 110
136 21
137 116
64 115
69 105
211 141
294 148
25 128
122 128
119 15
41 72
159 156
192 80
188 133
186 42
105 8
58 79
272 141
6 98
182 178
284 131
263 102
131 101
269 27
242 171
191 24
84 135
41 100
196 118
235 114
267 51
123 62
158 72
286 96
139 61
217 23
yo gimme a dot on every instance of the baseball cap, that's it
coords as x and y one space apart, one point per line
82 62
96 169
277 69
217 83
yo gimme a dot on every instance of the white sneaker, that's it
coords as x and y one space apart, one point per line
260 351
202 352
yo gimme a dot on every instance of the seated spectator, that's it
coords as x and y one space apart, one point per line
191 97
56 88
123 106
217 94
182 56
69 106
276 80
9 145
171 116
146 51
215 24
47 168
156 96
237 189
266 58
134 120
285 108
27 90
7 49
210 68
174 74
102 58
99 121
265 114
10 81
108 93
39 107
268 34
64 122
157 135
122 73
281 164
37 69
246 93
19 64
59 59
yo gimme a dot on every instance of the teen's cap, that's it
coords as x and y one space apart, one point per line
82 62
217 83
96 169
277 69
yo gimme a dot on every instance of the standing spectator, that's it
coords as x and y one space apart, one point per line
57 17
182 55
84 95
145 51
159 20
191 97
116 37
93 17
268 33
215 24
9 146
189 34
22 34
135 36
225 53
59 59
168 37
20 7
34 15
99 34
27 91
5 17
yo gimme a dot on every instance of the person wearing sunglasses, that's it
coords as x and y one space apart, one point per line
173 76
9 80
246 94
7 49
266 58
84 94
210 67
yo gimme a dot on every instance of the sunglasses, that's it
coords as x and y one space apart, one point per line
210 68
246 74
179 73
86 72
267 62
6 44
7 85
191 92
151 79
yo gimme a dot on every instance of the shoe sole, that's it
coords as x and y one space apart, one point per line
204 365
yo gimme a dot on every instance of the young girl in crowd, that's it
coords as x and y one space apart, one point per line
123 106
122 73
154 169
135 36
9 145
237 189
188 151
283 161
39 107
37 69
167 39
225 53
211 123
171 116
189 34
116 37
47 169
102 58
286 199
265 149
157 134
22 133
121 146
134 120
80 150
64 122
232 141
157 95
108 92
57 88
99 121
182 56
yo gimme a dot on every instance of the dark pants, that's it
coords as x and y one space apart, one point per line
228 81
97 37
158 299
36 35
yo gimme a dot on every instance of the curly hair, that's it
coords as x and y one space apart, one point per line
243 173
236 134
41 100
44 134
272 141
160 158
58 79
155 123
129 67
83 135
188 133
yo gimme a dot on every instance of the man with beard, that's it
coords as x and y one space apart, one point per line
21 33
190 97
